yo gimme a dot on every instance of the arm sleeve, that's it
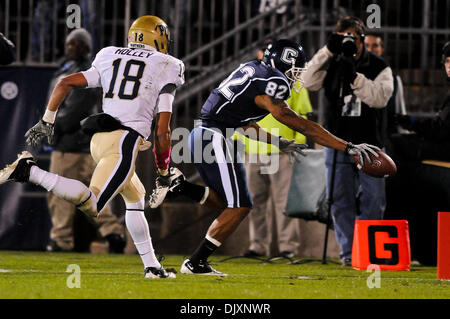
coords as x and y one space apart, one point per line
93 74
374 93
173 73
164 103
92 77
317 69
174 77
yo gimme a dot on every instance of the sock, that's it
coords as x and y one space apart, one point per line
138 227
207 247
69 189
195 192
43 178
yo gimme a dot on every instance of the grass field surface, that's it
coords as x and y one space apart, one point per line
44 275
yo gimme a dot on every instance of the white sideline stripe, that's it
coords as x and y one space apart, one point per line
234 173
117 165
229 155
135 149
223 169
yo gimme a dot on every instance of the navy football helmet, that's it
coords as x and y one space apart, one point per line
288 57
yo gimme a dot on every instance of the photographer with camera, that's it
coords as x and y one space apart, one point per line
358 85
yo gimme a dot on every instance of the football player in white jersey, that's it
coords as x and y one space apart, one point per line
138 81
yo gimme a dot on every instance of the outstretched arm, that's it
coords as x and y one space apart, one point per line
63 88
257 133
281 111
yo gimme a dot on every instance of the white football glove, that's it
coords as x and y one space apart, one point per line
292 148
362 150
38 132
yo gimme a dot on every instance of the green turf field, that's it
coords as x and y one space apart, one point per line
43 275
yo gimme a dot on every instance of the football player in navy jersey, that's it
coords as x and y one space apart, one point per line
254 90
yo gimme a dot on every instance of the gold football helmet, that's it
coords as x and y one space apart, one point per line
149 31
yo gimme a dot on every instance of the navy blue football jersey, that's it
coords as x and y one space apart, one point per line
232 104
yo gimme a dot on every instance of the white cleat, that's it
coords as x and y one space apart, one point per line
164 184
156 273
202 268
18 171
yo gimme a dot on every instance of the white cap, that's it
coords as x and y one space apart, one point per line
81 34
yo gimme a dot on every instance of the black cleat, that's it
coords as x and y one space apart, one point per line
153 273
19 171
202 268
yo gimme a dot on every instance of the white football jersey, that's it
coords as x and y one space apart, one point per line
132 80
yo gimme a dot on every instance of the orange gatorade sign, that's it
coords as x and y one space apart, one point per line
381 242
443 253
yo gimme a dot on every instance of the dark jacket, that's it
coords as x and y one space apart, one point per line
435 134
431 141
79 104
370 125
436 128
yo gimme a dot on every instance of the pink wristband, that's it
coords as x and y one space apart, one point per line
162 159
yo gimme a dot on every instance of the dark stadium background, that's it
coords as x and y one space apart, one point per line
212 37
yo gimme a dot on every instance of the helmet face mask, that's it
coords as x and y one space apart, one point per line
149 32
294 75
289 58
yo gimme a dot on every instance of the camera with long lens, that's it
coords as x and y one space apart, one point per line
349 48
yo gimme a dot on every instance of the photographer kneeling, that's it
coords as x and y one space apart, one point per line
358 85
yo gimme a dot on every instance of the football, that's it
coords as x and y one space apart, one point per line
382 166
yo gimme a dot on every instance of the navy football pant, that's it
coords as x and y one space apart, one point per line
220 166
